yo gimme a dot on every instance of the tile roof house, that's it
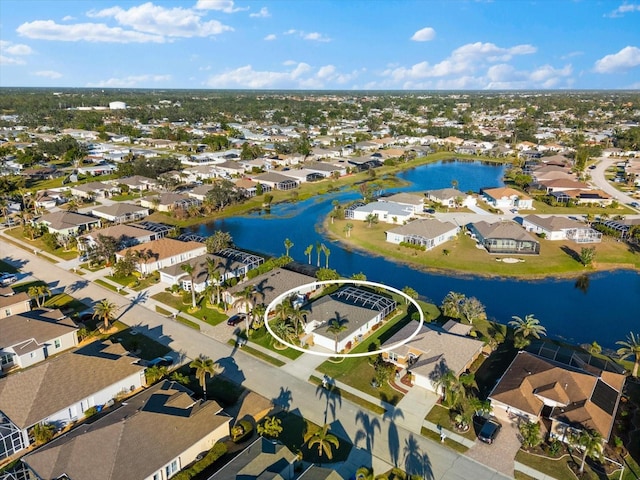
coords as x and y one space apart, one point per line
163 253
263 459
94 189
30 337
505 197
139 182
120 212
424 232
561 228
12 303
153 436
431 353
534 387
61 389
448 197
504 237
68 223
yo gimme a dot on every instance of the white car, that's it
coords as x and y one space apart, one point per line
7 279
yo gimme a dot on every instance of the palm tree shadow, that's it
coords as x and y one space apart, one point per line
368 430
77 285
140 298
416 462
393 440
284 399
229 369
333 398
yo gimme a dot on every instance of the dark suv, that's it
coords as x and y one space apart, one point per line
489 431
236 319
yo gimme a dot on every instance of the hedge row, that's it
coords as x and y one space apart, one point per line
217 451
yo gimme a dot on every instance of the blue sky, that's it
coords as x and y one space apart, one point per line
321 44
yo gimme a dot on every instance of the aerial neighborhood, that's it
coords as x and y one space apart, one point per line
183 292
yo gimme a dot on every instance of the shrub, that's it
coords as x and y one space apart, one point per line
217 451
90 412
241 430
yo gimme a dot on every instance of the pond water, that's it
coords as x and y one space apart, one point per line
605 307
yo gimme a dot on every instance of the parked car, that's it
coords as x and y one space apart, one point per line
236 319
165 361
489 431
7 279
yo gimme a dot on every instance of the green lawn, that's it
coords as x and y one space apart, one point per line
39 245
109 286
435 436
257 353
209 315
66 303
440 416
264 339
135 282
556 257
356 399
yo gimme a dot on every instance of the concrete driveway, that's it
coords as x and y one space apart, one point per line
501 453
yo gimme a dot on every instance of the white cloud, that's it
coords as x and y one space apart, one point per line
88 32
315 36
10 53
131 81
291 31
628 57
68 18
296 75
158 20
226 6
270 37
263 13
48 74
424 35
624 8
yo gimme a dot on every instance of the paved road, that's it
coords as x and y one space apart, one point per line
395 442
598 179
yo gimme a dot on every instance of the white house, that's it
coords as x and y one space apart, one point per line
48 393
163 253
561 228
505 197
424 232
388 212
410 200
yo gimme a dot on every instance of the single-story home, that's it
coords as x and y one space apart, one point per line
126 236
166 202
139 182
61 389
431 353
450 197
534 387
325 168
12 303
275 180
163 253
30 337
97 169
120 212
388 212
561 228
200 192
597 197
506 197
94 190
356 309
152 436
425 232
68 223
504 237
410 200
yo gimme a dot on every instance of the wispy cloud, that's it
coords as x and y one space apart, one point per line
625 59
226 6
263 13
87 32
131 81
313 36
624 8
424 35
270 37
12 53
48 74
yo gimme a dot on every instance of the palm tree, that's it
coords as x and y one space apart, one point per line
347 229
283 331
215 279
39 291
188 269
451 388
204 366
590 442
524 328
327 252
409 292
452 303
337 325
308 251
244 302
371 219
105 311
287 245
257 316
284 309
318 250
630 347
298 318
43 432
324 440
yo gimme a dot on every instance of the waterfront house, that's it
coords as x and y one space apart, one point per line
561 228
411 200
163 253
152 436
566 398
167 202
428 233
504 237
30 337
388 212
275 180
60 390
139 183
449 197
432 352
505 197
120 212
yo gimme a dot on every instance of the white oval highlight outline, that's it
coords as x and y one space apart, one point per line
282 296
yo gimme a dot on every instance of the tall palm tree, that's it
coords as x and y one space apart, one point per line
105 311
630 347
203 366
318 250
244 303
189 269
283 330
337 325
324 440
525 328
298 319
327 252
287 245
284 309
590 442
308 251
452 303
39 291
451 388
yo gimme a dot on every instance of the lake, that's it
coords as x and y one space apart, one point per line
605 308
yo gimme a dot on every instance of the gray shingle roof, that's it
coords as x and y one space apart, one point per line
134 441
426 228
38 325
63 220
28 396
